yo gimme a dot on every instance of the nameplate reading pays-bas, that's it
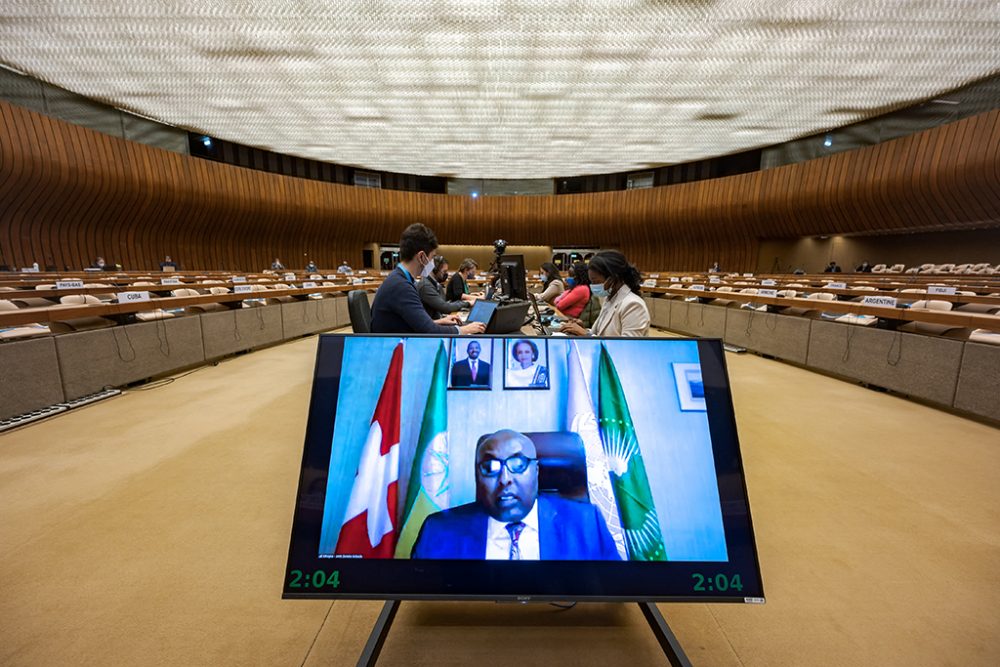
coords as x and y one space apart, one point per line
885 301
69 284
132 297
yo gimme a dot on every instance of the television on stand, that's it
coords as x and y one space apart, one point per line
536 469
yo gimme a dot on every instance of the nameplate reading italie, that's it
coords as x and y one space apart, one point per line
170 281
767 292
885 301
308 284
239 279
289 276
714 280
768 281
241 289
69 284
132 297
697 288
940 289
836 285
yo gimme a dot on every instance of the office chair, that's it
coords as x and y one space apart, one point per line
360 311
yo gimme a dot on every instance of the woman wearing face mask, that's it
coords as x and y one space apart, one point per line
572 302
552 284
624 312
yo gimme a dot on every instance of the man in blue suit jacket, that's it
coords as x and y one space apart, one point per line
396 307
509 521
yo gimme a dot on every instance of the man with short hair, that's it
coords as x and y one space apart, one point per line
168 264
471 371
397 307
509 520
344 267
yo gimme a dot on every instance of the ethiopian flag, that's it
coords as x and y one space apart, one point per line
429 489
643 538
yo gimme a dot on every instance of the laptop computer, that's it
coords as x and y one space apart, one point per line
482 311
538 315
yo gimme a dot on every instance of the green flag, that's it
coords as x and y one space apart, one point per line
643 538
429 488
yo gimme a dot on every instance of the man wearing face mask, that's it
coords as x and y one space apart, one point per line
431 290
397 307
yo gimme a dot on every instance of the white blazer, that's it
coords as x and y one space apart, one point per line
624 314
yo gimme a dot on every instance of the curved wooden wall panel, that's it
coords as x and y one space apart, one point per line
68 194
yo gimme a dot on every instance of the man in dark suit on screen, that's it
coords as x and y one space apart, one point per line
509 520
471 371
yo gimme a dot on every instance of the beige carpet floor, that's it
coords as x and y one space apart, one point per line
152 529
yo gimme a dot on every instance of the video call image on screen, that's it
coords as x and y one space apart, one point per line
521 449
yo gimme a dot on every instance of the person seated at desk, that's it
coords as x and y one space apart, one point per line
276 265
397 307
715 268
459 283
832 267
864 267
168 264
572 302
624 312
432 293
344 267
509 520
311 267
552 283
99 263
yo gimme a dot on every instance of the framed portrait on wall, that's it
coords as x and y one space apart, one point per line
690 388
526 363
471 365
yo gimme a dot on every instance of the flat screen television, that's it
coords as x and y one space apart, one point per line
521 468
513 282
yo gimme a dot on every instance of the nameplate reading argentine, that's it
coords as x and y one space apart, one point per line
885 301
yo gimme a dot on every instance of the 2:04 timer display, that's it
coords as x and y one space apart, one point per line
317 579
719 582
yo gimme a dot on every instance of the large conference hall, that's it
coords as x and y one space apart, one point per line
200 200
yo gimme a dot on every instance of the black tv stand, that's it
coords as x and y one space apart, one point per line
668 642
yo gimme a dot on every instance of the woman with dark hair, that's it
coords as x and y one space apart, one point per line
524 370
624 312
572 301
552 283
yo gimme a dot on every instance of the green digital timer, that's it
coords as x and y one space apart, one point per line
720 582
317 579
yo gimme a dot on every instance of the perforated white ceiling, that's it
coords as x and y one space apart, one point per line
505 89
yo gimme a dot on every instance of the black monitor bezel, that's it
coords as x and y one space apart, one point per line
518 278
524 581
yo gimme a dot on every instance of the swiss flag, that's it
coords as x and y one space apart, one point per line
369 529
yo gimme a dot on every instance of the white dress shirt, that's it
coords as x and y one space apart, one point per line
498 538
